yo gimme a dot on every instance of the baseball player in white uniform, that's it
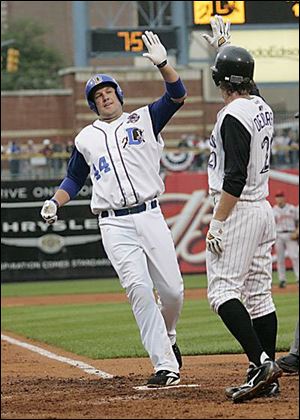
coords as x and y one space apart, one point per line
242 230
287 223
121 152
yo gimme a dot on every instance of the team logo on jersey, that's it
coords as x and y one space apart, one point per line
133 118
134 137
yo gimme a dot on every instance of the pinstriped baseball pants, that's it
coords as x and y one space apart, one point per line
244 270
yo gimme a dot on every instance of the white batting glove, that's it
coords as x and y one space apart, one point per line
49 211
157 53
214 237
221 33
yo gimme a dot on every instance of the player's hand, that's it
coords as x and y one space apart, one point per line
295 235
220 33
49 211
214 237
157 53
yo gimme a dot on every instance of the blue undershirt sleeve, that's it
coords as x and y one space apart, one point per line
162 110
77 173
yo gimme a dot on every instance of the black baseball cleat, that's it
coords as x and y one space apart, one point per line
259 379
289 363
282 284
272 390
163 378
177 355
232 389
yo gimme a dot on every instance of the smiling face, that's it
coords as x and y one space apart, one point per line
107 103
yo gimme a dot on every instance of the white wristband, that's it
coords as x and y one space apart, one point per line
216 225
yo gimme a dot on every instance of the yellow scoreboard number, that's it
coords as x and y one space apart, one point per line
132 40
229 10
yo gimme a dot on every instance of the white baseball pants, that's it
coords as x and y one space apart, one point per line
244 269
141 250
283 244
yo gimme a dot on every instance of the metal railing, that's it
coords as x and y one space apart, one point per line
28 166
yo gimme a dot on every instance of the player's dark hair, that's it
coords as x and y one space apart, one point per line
241 88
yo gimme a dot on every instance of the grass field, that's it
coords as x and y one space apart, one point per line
108 330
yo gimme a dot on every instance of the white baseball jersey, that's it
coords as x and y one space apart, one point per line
239 164
124 157
286 217
257 117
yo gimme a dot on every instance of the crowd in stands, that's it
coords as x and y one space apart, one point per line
32 160
49 159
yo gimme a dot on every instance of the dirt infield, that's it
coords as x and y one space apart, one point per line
36 387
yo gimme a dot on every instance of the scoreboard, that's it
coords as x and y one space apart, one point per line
246 12
127 40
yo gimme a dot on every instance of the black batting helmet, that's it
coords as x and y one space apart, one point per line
234 65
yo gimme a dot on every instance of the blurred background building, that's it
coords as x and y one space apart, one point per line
105 37
49 49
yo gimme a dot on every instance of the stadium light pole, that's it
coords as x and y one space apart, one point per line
80 28
180 21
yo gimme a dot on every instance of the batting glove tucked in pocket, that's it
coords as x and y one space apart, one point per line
214 237
49 211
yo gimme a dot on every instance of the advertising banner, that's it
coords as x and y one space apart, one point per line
33 250
72 247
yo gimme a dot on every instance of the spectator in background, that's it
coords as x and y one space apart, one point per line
57 161
31 147
47 151
14 151
29 150
287 225
187 140
280 149
204 152
69 149
293 148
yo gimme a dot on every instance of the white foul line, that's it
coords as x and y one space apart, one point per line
77 363
161 388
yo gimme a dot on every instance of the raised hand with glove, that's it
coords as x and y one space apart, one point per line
157 53
214 237
220 33
49 211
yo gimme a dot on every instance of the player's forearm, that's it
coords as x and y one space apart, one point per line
61 197
225 206
169 73
174 85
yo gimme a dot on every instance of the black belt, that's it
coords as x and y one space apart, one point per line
130 210
285 231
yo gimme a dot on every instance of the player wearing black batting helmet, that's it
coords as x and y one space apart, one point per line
234 65
242 230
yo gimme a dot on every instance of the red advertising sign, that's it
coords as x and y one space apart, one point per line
188 210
